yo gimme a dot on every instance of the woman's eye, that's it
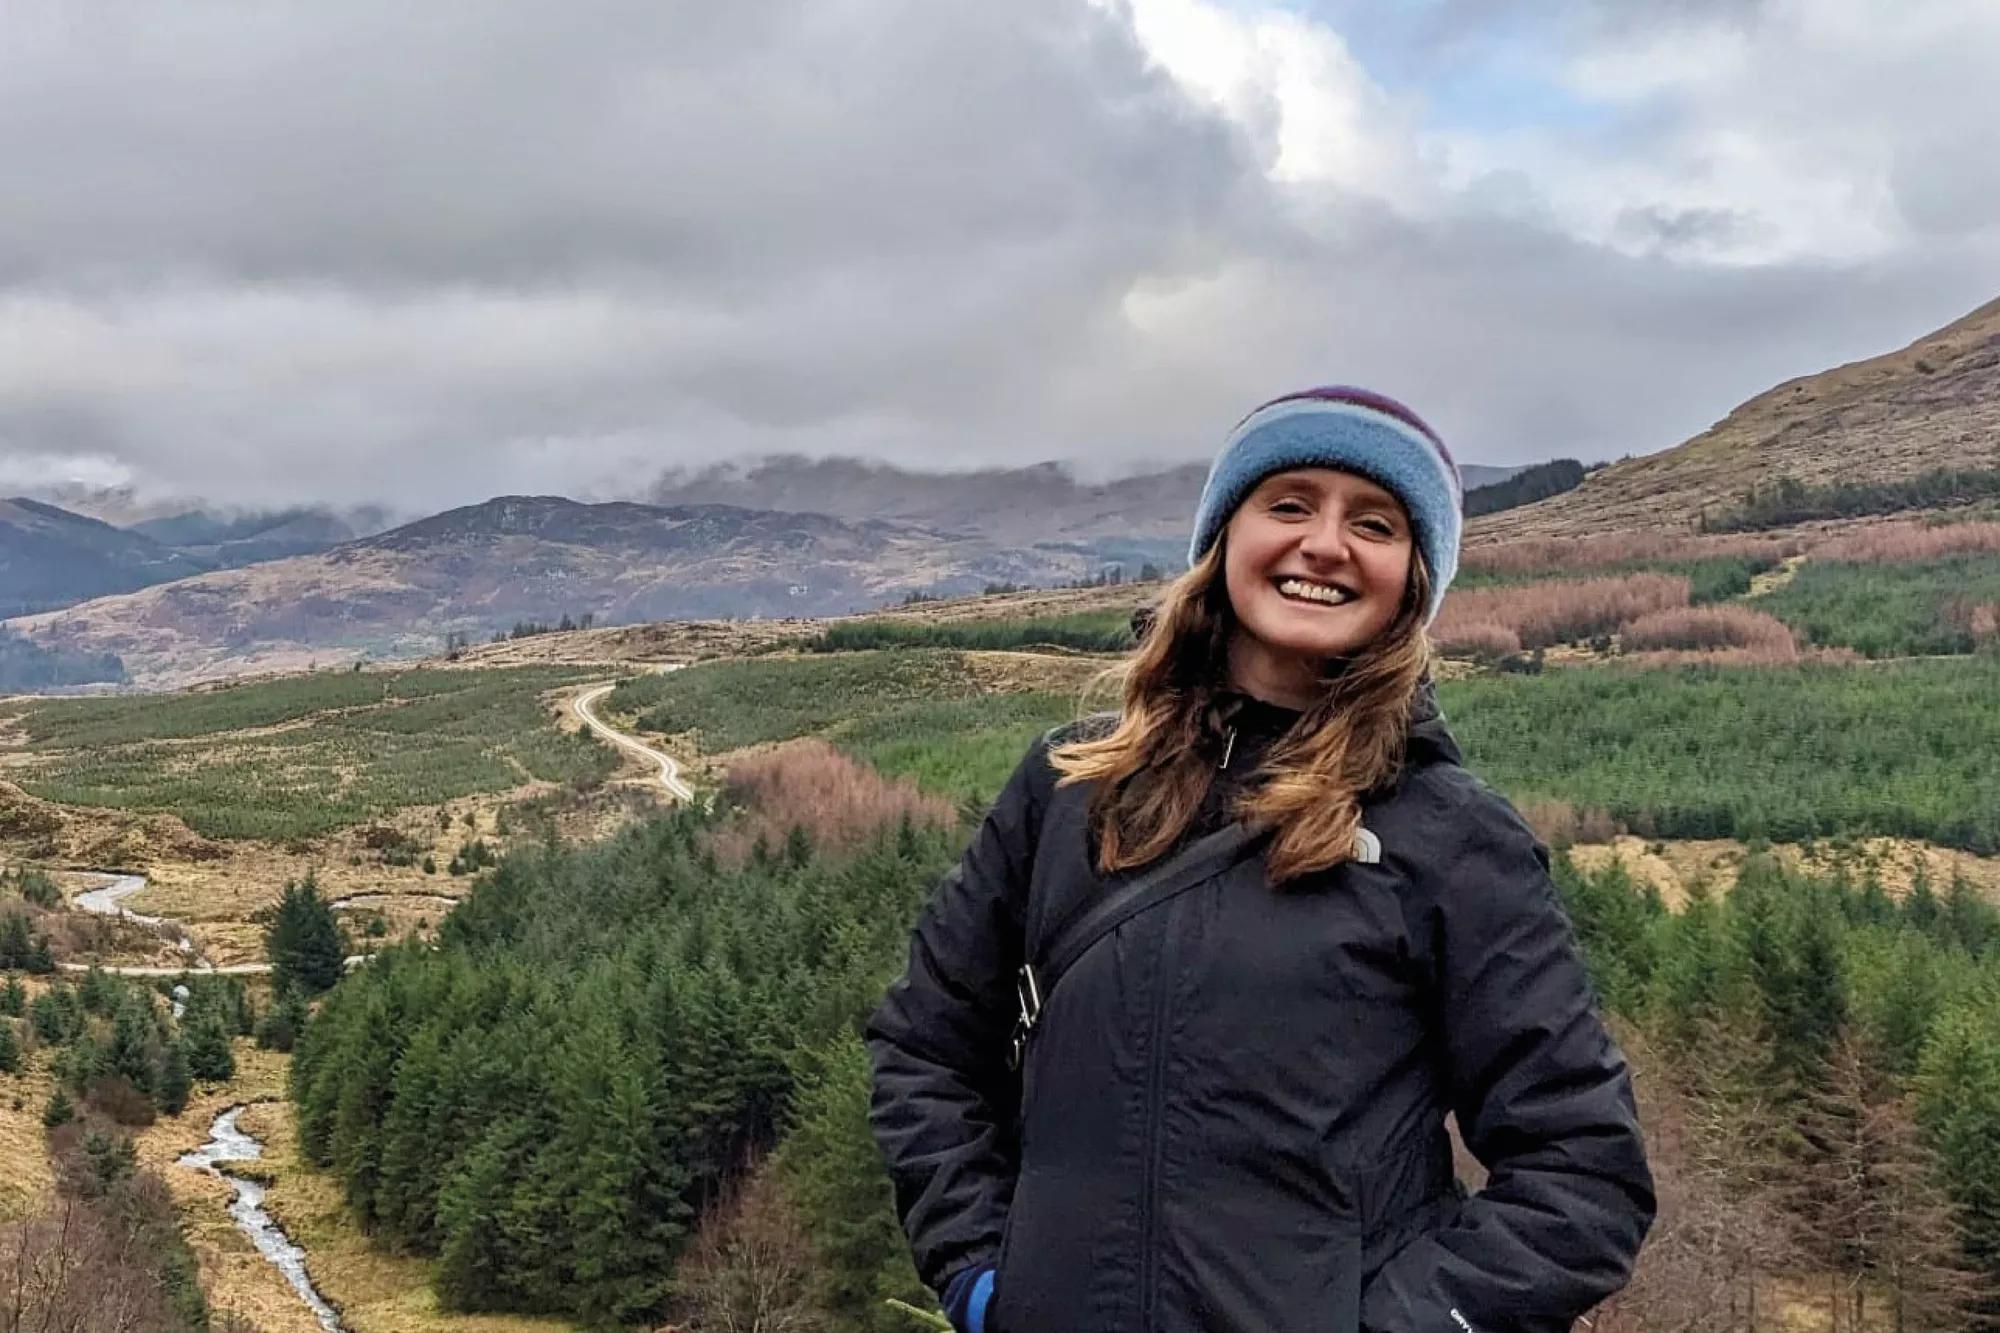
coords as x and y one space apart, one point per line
1288 507
1378 527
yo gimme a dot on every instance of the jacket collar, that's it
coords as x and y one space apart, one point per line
1258 721
1430 739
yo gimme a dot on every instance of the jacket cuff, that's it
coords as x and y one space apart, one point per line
966 1297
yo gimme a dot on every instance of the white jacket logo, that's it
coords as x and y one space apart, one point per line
1460 1319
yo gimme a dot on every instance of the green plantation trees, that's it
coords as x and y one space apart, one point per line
304 942
833 1173
357 747
603 1038
1903 749
1835 1052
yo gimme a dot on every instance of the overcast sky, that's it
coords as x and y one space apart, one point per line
429 253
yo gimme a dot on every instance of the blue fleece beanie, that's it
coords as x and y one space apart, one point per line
1356 431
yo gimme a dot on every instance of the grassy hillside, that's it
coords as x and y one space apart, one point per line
294 758
1932 405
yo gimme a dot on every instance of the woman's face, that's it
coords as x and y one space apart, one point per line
1316 562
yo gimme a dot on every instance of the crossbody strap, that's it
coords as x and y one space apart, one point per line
1193 866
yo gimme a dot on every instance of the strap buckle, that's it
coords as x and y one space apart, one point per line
1029 992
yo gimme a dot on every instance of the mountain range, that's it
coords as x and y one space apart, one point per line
794 536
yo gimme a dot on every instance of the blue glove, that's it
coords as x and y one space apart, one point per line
965 1298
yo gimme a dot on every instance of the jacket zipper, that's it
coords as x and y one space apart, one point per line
1150 1188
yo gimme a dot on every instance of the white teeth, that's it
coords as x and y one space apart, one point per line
1317 592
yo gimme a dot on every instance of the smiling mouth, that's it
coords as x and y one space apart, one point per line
1315 594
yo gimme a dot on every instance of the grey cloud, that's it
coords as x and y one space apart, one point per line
428 254
726 146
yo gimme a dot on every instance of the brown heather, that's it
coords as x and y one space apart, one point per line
840 801
1711 627
1562 825
1559 554
1544 614
1908 543
1486 640
1736 657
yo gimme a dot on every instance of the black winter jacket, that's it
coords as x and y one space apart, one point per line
1231 1115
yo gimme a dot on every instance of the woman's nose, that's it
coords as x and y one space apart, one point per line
1325 540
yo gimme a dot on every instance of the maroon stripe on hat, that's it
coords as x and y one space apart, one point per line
1368 398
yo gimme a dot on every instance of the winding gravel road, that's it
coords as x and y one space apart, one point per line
670 772
108 900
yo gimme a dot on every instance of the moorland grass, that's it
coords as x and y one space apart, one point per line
919 712
736 703
363 745
1709 580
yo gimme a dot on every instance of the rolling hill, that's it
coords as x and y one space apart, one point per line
483 568
1933 404
51 557
1022 506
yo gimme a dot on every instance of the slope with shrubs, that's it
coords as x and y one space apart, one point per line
1898 590
1904 749
919 712
300 757
552 1098
633 1070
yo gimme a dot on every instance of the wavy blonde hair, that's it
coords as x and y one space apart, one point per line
1153 770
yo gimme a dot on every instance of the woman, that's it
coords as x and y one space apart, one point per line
1229 1112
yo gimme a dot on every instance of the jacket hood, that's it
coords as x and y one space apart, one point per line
1430 740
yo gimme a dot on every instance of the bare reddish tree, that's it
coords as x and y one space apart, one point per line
1542 614
1707 627
1878 1221
1908 542
749 1268
1554 555
838 800
1721 1230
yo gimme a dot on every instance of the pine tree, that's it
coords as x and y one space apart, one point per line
798 847
55 1016
1816 995
134 1051
176 1080
476 1269
99 992
13 998
1968 918
304 942
205 1043
60 1110
10 1048
15 946
406 1199
1920 904
834 1174
281 1025
1958 1104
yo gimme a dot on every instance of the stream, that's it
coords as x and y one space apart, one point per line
109 900
226 1144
